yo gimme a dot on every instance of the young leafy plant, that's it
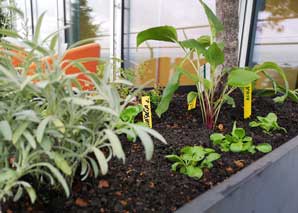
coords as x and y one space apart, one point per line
130 112
268 124
50 127
237 141
211 92
192 160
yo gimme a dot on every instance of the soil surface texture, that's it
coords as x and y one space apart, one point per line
151 186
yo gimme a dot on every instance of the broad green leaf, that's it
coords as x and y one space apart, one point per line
236 147
272 117
101 159
61 163
241 77
215 24
194 172
215 56
213 157
116 144
175 165
229 100
254 124
193 44
191 96
41 128
168 92
266 66
173 158
204 41
239 133
264 147
217 137
5 130
162 33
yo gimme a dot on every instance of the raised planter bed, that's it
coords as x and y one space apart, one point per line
267 184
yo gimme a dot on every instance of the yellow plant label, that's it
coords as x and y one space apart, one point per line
147 114
193 104
247 101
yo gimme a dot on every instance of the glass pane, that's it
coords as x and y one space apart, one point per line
277 37
154 60
91 18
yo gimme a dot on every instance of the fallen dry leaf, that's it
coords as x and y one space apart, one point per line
239 163
103 184
81 202
230 169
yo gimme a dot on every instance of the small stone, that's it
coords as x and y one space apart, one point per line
220 127
118 193
103 184
123 202
9 211
151 185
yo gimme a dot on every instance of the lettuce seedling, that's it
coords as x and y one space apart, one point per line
268 123
237 141
130 113
193 159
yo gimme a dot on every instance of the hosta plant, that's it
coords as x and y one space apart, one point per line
268 124
238 141
192 160
51 129
212 92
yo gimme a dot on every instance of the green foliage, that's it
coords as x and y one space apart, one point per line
213 92
237 142
193 160
130 112
268 124
51 129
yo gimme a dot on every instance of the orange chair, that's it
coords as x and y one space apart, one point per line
81 52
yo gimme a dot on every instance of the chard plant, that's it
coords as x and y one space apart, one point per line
269 123
192 160
51 129
211 92
238 142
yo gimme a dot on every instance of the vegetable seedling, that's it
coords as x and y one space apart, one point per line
192 160
237 142
268 124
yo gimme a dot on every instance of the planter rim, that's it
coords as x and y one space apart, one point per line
209 198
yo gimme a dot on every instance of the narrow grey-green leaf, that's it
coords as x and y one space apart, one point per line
5 130
101 159
116 144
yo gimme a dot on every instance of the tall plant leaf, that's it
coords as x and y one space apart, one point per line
162 33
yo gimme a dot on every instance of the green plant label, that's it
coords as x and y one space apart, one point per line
147 114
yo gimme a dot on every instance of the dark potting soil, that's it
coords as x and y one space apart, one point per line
151 186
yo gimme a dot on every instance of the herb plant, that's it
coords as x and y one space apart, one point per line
211 92
192 160
51 131
237 141
268 124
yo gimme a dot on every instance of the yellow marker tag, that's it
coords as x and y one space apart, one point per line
147 115
193 104
247 101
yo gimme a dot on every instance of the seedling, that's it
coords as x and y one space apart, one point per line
237 141
268 124
130 113
192 160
